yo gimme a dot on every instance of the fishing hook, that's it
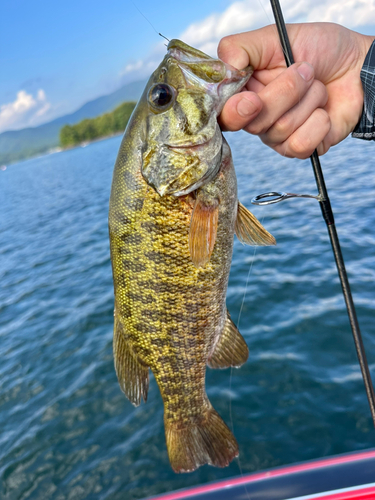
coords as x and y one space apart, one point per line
164 37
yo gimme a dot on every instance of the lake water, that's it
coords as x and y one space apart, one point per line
67 431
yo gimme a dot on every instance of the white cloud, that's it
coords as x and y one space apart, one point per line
24 111
129 68
42 99
350 13
239 16
246 15
252 14
143 68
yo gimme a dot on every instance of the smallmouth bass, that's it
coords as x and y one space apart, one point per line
173 214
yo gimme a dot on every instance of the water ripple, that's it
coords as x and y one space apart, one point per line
67 432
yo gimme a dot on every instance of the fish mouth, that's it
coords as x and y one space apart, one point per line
185 53
215 76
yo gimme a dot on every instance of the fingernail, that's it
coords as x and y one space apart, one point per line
306 71
245 108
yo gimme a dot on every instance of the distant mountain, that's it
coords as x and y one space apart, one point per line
19 144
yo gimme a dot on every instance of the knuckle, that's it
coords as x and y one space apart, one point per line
268 141
321 92
318 86
283 125
322 148
290 88
256 128
225 46
323 117
301 147
303 144
284 150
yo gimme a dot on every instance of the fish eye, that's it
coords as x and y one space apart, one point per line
161 96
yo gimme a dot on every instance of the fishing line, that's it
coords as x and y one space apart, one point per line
231 370
271 22
149 22
246 286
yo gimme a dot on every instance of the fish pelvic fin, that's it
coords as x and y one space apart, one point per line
249 230
132 374
208 441
231 348
203 231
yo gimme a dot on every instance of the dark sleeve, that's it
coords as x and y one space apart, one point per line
365 128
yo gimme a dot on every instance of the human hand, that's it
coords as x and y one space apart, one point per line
315 103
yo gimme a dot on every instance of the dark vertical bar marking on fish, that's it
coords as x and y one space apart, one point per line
327 213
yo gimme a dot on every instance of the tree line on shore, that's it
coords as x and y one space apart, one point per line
94 128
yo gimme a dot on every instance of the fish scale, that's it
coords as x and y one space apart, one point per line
173 210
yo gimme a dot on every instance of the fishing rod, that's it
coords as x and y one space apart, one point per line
327 214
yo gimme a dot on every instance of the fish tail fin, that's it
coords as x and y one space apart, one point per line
208 441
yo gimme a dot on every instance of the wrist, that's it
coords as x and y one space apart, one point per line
365 128
367 42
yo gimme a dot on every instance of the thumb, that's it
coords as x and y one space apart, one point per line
259 48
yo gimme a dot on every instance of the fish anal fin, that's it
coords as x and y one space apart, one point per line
203 230
231 348
208 441
249 230
132 374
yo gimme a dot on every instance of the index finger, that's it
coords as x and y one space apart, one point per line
260 48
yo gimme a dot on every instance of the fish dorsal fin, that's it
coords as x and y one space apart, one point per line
231 348
132 374
203 230
249 230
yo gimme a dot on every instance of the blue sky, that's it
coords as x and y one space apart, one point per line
55 56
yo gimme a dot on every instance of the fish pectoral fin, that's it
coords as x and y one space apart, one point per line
203 230
205 440
231 348
249 230
132 373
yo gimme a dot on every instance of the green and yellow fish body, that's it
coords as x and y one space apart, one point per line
173 214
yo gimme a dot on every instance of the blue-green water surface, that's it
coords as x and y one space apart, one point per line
67 431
